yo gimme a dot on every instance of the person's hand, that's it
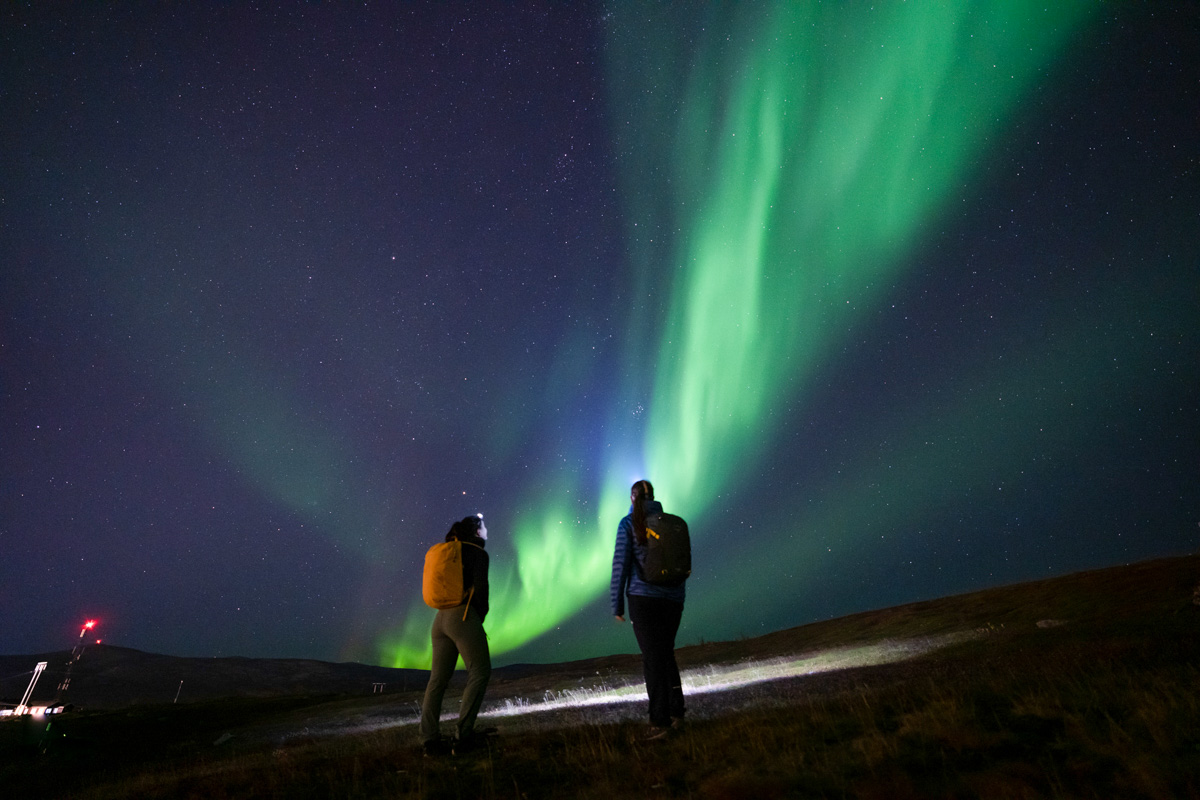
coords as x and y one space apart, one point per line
619 618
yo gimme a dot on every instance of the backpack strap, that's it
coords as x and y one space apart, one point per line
467 605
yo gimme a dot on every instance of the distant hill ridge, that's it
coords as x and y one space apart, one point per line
112 677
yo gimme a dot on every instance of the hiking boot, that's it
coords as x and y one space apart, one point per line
656 733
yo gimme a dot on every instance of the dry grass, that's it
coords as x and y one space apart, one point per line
1099 708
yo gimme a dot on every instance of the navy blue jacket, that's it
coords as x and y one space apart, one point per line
626 578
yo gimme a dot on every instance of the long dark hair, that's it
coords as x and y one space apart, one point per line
640 492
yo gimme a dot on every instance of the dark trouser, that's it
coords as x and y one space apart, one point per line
655 623
452 635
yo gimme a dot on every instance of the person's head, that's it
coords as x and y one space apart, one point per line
468 528
639 493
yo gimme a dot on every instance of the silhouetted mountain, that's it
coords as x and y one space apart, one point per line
109 677
114 677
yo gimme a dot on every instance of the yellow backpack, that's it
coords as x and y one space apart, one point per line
442 581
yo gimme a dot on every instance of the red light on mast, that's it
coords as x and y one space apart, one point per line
91 623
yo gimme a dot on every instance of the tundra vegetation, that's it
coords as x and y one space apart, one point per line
1080 686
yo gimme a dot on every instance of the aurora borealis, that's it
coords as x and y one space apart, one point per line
890 302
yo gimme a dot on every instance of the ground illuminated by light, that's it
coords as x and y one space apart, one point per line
699 681
725 677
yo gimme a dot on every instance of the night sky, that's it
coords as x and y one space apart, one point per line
890 302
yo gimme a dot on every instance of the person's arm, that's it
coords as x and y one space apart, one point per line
620 572
478 564
484 562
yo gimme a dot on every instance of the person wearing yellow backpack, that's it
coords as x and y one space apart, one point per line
455 582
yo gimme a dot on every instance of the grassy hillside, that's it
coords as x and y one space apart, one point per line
1081 686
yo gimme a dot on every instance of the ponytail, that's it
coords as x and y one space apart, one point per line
641 491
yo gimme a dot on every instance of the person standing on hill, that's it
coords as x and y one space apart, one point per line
458 630
655 611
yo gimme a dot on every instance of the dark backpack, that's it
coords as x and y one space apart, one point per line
668 560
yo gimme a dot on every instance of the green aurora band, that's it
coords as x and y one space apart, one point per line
778 161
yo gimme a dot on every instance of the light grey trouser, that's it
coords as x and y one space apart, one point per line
453 636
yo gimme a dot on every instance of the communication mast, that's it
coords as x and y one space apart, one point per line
23 706
76 654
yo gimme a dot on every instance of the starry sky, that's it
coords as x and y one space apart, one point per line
890 301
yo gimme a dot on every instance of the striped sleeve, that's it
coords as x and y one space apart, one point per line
622 566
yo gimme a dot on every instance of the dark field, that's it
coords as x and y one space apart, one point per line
1098 700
